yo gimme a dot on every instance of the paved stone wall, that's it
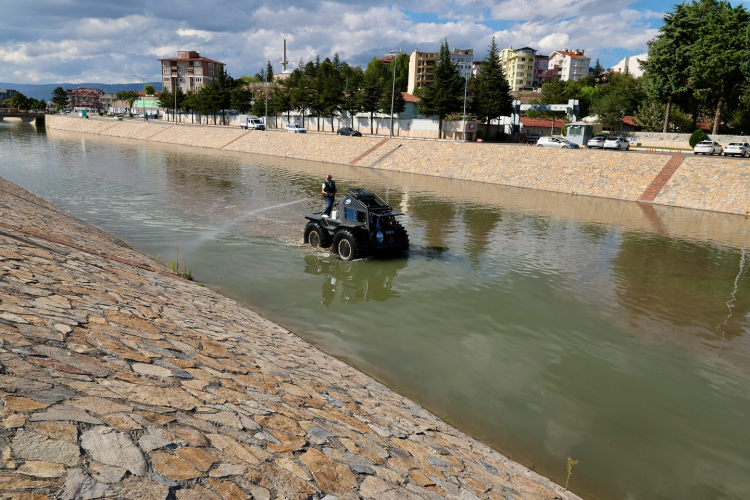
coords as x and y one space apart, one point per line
119 380
704 183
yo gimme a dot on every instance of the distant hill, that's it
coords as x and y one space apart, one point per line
44 91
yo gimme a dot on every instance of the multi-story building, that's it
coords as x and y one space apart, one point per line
421 69
519 67
6 94
188 71
463 59
569 64
85 98
630 65
541 70
476 68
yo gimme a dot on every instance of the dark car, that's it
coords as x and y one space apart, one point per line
348 131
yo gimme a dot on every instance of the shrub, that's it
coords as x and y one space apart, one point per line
697 137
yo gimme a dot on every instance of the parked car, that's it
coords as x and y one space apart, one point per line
348 131
616 143
596 142
296 128
118 118
555 142
708 148
737 149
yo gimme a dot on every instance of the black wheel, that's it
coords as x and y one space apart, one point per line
315 236
349 245
403 237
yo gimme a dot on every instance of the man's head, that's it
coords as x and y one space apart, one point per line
328 177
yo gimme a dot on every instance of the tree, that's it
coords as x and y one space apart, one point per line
717 56
402 72
148 89
667 69
331 94
696 137
242 99
269 72
166 100
223 86
620 97
650 117
597 70
371 91
444 95
60 98
399 104
19 101
491 90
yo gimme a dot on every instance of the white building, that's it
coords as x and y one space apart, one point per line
464 60
630 65
569 64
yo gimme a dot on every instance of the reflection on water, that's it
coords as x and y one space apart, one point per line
358 281
546 325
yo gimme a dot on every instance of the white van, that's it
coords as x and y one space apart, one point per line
251 122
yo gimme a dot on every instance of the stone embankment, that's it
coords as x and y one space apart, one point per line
715 184
120 380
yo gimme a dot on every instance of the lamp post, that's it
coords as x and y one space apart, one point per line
393 89
265 78
466 86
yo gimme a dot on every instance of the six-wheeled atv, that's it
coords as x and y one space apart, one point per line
363 225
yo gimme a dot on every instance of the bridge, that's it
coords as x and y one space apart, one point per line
26 116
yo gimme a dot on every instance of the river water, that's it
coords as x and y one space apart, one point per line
545 325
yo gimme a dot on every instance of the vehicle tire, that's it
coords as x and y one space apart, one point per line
539 146
350 245
565 147
316 236
403 237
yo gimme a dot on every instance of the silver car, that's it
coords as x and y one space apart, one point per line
616 143
708 148
737 149
296 128
555 142
596 142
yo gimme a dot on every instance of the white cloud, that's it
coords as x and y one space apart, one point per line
109 42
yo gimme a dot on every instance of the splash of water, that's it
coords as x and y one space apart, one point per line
225 227
730 303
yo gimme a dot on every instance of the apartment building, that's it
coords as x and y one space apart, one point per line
463 59
519 67
569 64
631 65
421 69
85 98
188 71
6 94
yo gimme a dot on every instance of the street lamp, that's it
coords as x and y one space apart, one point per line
265 78
466 86
393 89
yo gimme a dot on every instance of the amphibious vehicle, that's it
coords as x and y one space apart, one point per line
363 225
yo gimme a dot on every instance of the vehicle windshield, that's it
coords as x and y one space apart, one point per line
704 143
735 144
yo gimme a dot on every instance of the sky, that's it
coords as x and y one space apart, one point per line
105 41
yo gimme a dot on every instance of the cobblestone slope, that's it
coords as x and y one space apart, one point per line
118 381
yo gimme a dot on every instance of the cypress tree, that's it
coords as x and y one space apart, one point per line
444 96
491 90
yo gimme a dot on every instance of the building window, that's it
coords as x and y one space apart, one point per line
166 63
167 87
166 71
197 63
210 65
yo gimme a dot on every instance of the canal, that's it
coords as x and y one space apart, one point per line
547 326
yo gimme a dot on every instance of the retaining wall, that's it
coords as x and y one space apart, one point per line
715 184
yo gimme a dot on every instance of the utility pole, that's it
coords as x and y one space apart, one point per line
265 78
466 86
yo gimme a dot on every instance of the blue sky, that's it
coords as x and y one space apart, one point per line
48 41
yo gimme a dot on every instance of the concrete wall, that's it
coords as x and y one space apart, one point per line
704 183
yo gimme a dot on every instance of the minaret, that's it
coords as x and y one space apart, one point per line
284 62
